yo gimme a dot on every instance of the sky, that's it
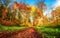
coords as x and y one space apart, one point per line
51 4
32 2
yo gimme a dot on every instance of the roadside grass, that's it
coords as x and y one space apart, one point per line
11 28
48 31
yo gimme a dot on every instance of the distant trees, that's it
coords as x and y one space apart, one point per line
1 9
41 5
23 14
6 2
58 12
23 2
56 15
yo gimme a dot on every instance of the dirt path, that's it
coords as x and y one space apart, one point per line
26 33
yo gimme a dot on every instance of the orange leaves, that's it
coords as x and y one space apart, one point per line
17 5
14 6
8 23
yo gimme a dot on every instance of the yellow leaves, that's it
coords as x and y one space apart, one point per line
58 8
38 18
38 21
56 13
40 13
30 25
33 9
56 16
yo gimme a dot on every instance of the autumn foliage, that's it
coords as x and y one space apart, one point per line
27 15
9 23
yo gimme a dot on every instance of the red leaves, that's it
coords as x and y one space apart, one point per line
21 6
9 23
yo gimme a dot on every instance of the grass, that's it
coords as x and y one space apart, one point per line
46 31
11 28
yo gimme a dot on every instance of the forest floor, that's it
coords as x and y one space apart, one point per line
46 31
